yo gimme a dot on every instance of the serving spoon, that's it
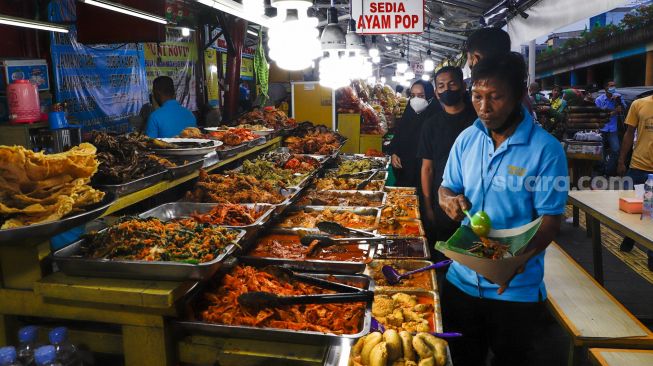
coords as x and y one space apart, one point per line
394 277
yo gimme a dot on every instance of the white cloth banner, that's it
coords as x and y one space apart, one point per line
546 16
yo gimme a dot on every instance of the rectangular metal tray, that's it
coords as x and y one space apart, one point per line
409 191
256 142
174 210
309 265
385 160
378 181
374 270
71 263
192 326
420 227
393 242
340 354
211 159
437 315
225 151
388 205
375 194
184 169
363 211
308 178
134 186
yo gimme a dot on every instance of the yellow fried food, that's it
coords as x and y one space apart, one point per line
379 355
427 345
407 345
371 340
36 188
393 344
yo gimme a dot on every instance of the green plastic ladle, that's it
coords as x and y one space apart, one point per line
480 223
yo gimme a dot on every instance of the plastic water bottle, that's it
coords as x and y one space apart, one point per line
27 337
647 207
66 352
46 356
8 357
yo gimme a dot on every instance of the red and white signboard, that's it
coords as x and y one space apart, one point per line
388 17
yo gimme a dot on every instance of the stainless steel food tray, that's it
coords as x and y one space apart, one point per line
193 326
43 231
72 263
420 227
184 169
306 180
134 186
380 196
392 248
388 205
174 210
385 160
379 182
310 265
374 270
256 142
407 191
225 151
437 315
363 211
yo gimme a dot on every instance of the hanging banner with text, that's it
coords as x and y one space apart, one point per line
101 85
221 45
388 17
176 58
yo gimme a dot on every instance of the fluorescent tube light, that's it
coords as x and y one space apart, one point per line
252 32
236 9
28 23
125 10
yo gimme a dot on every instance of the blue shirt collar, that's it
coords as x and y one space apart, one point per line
521 135
170 102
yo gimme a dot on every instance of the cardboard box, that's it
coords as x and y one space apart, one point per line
631 205
499 271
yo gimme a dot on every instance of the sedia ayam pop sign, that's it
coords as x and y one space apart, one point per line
388 17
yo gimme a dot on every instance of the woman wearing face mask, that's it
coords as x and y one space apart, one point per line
403 147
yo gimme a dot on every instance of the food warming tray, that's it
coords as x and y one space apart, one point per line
374 270
431 295
226 151
397 248
185 169
256 142
310 265
381 198
72 263
193 326
363 211
174 210
187 151
124 189
385 160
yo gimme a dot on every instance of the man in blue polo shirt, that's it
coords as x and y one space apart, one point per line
611 102
170 118
515 171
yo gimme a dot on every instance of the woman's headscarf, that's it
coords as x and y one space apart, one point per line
429 91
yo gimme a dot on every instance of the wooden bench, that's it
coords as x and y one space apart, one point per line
589 313
621 357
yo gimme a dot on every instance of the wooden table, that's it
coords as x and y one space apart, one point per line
602 207
620 357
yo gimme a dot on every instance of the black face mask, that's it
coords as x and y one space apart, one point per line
451 97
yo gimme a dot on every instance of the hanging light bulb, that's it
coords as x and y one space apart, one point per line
429 65
402 66
409 74
383 79
185 32
426 77
376 59
293 36
331 70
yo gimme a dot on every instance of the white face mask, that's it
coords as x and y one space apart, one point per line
418 104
